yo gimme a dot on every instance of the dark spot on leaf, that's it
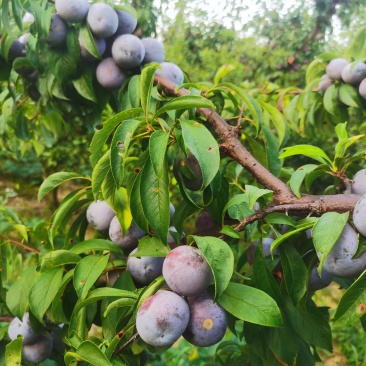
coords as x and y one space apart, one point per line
120 144
137 170
362 308
99 127
121 334
209 149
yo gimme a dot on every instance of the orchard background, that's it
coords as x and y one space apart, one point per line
256 156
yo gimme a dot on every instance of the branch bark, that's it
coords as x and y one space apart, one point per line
284 199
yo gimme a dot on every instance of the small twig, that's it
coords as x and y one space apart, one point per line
19 244
124 345
6 318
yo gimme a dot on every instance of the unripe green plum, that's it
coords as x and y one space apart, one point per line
99 215
154 50
58 31
126 23
207 324
74 11
145 269
186 271
354 74
359 182
325 83
162 318
316 282
102 20
362 88
339 261
128 51
100 44
172 72
24 328
335 68
131 238
40 350
109 75
359 215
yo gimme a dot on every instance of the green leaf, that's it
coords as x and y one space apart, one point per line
119 148
278 120
222 72
54 180
353 303
17 296
93 245
157 148
185 102
349 96
251 305
13 352
134 92
147 80
44 291
310 151
229 231
5 18
151 247
88 352
254 193
155 199
253 106
326 232
58 258
298 177
100 173
87 271
84 85
263 277
204 147
295 272
100 137
280 219
330 100
87 40
120 303
217 252
272 152
357 45
16 7
310 324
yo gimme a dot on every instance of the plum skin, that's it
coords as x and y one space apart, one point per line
74 11
359 215
130 240
208 322
102 19
186 271
58 31
162 318
99 215
145 269
172 72
154 50
335 67
316 282
40 350
109 75
128 51
126 23
359 182
24 328
339 261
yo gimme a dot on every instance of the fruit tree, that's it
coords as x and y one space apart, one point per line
212 211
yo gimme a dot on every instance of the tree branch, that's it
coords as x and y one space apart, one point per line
19 244
284 199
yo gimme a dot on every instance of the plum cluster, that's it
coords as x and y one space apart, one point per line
121 53
186 309
340 70
36 346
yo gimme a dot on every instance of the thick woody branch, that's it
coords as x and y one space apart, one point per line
233 146
283 200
